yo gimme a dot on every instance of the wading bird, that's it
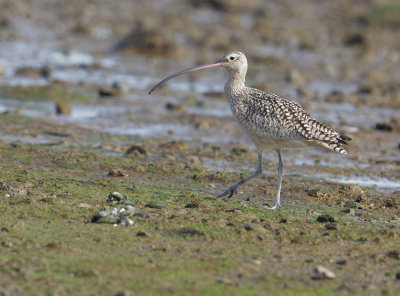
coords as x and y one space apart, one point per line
269 120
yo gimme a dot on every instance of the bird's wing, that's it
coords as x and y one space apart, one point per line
284 119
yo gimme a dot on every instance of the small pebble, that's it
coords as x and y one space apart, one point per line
125 221
325 219
154 205
383 127
108 91
321 273
63 108
395 254
341 262
124 293
18 191
131 210
141 233
117 173
136 150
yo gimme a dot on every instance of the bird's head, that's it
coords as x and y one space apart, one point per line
232 61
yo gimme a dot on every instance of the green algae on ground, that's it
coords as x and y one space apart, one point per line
219 246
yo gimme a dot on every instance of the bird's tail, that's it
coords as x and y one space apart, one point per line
337 144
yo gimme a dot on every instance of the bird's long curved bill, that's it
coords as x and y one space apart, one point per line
217 64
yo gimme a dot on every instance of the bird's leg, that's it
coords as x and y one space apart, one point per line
232 189
277 201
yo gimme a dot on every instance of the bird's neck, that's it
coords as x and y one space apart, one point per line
235 81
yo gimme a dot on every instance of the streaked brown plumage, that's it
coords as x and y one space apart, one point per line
269 120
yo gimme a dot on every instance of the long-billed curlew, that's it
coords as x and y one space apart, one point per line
269 120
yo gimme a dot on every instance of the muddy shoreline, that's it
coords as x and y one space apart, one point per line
77 124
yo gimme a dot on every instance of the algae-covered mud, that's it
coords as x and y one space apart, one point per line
105 190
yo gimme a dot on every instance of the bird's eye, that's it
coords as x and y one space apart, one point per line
232 58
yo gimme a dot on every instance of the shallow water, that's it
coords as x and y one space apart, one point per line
380 183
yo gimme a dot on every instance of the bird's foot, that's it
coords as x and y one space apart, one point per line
231 191
274 207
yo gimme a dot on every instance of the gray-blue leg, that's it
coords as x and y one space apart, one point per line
277 201
232 189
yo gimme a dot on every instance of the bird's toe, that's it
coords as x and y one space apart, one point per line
230 191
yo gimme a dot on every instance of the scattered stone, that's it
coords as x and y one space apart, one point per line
325 219
131 210
124 221
141 233
174 145
106 215
115 197
63 108
355 39
18 191
384 127
395 254
113 215
330 226
193 159
353 188
33 72
254 227
124 293
118 198
236 211
361 198
136 150
317 192
185 232
232 6
54 245
7 244
84 206
123 87
117 173
239 151
224 281
4 186
203 124
175 107
192 205
321 273
350 211
341 262
154 205
57 134
108 91
118 214
350 204
390 202
48 199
